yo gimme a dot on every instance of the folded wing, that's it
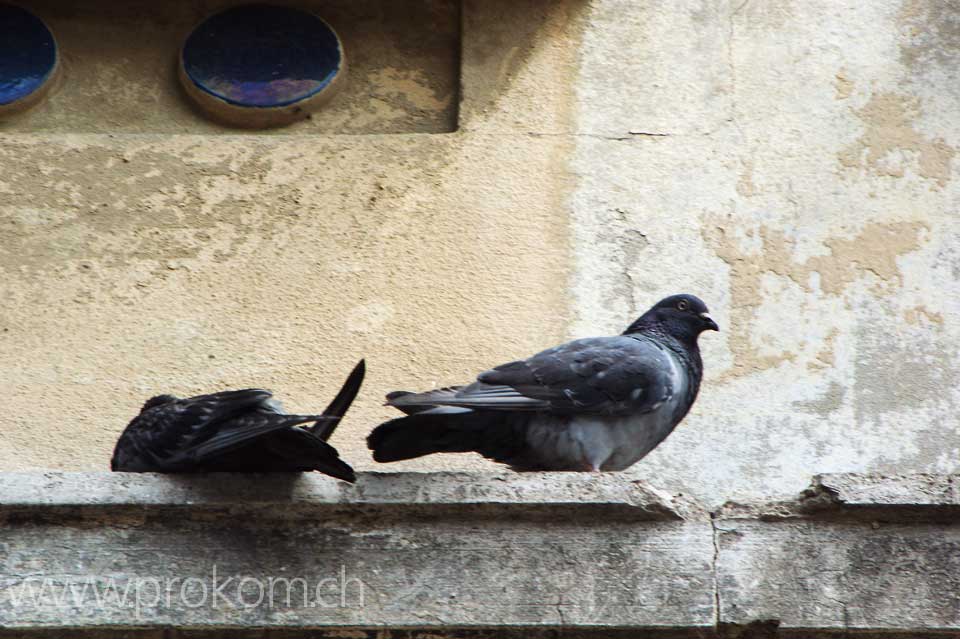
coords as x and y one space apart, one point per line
605 375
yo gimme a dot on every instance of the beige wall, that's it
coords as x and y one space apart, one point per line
791 162
134 264
120 61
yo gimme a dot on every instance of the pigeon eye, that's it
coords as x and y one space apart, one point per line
683 305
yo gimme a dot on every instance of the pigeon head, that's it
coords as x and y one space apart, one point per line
682 316
159 400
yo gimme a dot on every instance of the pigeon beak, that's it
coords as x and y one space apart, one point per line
709 322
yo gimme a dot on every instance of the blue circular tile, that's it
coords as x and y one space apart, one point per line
262 56
28 53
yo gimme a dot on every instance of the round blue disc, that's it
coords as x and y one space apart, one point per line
28 53
262 55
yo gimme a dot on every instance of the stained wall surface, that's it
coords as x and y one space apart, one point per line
793 163
140 262
121 76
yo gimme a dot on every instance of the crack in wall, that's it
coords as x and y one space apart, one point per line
630 135
715 531
732 66
559 606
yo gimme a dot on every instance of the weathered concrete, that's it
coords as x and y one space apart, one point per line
855 552
852 496
840 576
447 551
792 162
931 493
483 562
795 164
121 71
140 263
310 494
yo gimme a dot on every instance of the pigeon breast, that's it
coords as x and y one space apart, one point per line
610 442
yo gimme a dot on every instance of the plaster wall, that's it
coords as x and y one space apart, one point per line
135 263
120 68
791 162
794 164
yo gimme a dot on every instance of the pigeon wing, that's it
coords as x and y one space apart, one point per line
179 434
238 430
164 429
603 375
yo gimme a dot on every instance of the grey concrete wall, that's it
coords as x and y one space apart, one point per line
794 164
450 552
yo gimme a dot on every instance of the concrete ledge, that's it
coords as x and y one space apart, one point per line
457 550
929 492
852 496
303 495
840 576
466 554
853 553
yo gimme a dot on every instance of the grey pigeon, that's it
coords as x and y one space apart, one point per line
594 404
234 431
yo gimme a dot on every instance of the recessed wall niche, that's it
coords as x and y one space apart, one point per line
120 65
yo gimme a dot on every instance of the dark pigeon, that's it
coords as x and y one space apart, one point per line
234 431
594 404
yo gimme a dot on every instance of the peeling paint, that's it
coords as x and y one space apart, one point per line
921 314
120 77
890 143
137 264
802 257
745 185
843 85
872 252
824 359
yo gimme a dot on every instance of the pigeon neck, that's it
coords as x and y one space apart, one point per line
684 346
688 352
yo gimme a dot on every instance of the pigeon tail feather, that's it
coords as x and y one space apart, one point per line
495 435
333 413
289 450
439 430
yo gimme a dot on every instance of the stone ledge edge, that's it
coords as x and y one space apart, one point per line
606 495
